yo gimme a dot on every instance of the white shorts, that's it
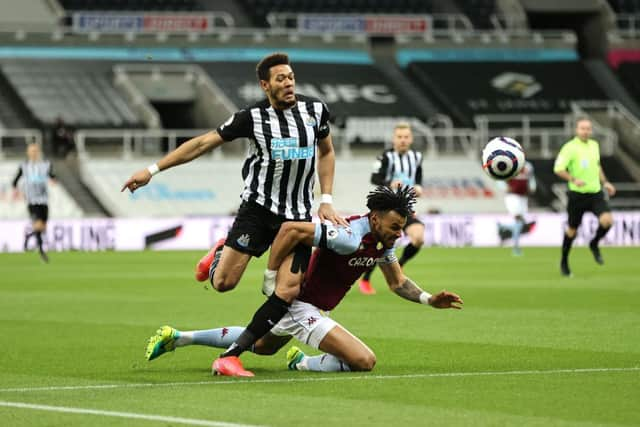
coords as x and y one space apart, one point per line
306 323
516 204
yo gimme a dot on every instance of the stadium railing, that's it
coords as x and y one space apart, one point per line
541 135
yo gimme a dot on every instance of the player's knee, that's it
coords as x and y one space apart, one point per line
364 362
417 241
223 282
571 232
264 349
606 220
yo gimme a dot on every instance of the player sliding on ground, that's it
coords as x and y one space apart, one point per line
342 255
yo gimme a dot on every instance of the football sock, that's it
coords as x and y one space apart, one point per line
566 245
322 363
26 239
409 252
38 235
600 233
367 274
219 337
270 313
515 233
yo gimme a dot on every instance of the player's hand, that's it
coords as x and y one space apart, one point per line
445 299
578 182
326 213
137 180
610 188
418 190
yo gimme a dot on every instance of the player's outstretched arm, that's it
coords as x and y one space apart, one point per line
407 289
193 148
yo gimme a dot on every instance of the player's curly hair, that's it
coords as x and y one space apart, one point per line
384 199
263 69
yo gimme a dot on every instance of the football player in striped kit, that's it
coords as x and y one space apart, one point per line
35 174
396 167
290 138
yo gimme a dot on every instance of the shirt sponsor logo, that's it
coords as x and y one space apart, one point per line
363 261
288 149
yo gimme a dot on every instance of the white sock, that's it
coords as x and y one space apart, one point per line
322 363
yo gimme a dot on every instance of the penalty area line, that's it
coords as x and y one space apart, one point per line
118 414
336 377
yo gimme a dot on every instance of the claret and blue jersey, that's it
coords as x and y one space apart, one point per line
342 255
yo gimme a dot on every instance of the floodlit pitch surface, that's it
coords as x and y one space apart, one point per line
529 348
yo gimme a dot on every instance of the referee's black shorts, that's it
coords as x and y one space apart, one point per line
254 229
579 203
38 212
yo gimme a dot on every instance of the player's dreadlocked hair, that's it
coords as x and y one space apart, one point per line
385 199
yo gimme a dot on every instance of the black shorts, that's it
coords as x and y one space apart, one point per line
579 203
412 219
38 212
254 229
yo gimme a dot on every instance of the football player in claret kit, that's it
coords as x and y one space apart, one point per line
342 255
516 200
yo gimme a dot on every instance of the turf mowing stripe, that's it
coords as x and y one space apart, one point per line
132 415
314 379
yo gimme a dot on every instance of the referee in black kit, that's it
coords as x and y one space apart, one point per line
35 174
285 132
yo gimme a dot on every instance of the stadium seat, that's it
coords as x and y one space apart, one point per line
83 98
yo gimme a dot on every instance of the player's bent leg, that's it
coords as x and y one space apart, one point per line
230 269
343 352
342 344
288 283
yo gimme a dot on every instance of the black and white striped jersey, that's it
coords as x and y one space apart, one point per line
393 166
35 176
279 169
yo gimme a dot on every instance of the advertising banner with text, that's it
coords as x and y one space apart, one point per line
202 233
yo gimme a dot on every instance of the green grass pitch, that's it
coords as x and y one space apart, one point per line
529 348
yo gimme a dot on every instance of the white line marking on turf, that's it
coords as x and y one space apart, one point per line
337 377
177 420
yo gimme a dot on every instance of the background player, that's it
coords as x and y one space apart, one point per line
397 167
342 255
516 200
35 173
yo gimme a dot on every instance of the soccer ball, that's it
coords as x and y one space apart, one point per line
502 158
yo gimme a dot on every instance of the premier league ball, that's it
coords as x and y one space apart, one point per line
502 158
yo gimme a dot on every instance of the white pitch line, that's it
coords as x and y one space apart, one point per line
131 415
336 377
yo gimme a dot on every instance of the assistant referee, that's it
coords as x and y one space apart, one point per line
578 163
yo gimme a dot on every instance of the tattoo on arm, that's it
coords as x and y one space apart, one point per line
409 290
